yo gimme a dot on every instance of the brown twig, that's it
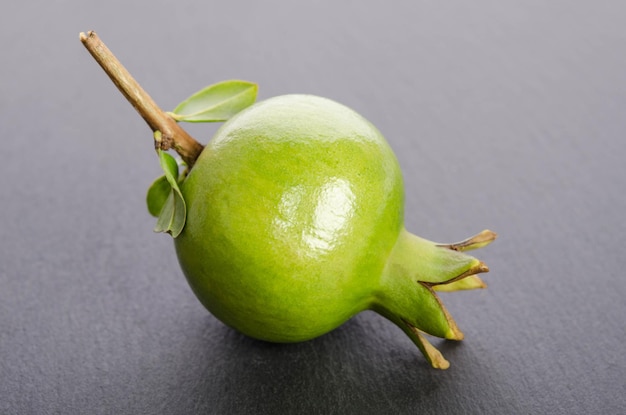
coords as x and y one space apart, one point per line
173 135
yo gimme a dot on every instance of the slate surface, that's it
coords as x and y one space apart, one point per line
504 115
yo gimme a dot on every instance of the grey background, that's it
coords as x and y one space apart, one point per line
506 115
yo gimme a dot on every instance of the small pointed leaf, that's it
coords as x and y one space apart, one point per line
157 195
172 216
169 166
217 102
173 212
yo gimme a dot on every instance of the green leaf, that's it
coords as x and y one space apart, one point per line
217 102
157 195
172 216
169 166
172 210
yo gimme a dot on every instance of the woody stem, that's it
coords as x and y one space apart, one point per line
173 136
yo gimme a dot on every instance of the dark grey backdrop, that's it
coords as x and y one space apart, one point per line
506 115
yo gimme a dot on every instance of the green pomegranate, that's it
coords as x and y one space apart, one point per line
290 221
292 211
295 224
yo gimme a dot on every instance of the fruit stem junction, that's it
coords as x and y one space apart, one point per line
173 135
